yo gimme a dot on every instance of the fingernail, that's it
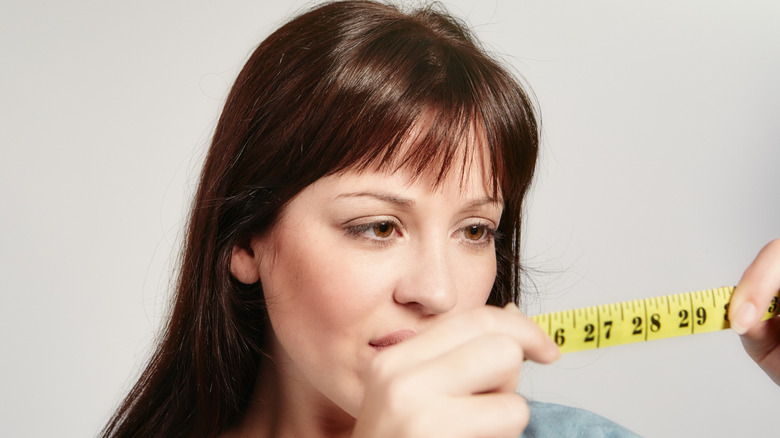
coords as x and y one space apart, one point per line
744 318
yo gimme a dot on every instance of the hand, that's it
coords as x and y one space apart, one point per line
457 378
751 298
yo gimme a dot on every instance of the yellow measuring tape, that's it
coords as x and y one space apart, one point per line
641 320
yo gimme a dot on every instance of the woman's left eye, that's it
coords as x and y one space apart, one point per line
474 232
478 234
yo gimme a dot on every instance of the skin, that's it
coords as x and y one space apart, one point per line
759 283
376 286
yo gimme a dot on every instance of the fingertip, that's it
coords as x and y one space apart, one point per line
744 317
556 352
525 412
550 352
541 348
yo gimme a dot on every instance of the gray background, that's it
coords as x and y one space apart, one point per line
659 175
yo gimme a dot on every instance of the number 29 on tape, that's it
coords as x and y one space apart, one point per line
641 320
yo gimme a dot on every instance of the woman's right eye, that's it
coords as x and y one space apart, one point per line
380 230
383 229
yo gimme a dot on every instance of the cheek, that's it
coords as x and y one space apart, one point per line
318 292
323 301
487 279
476 274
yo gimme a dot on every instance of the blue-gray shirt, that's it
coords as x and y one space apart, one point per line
550 420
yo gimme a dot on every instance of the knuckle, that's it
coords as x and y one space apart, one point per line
401 388
515 410
510 351
380 367
422 426
483 319
475 319
384 372
397 390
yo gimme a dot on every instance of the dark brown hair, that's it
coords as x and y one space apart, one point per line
340 87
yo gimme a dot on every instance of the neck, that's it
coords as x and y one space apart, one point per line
285 405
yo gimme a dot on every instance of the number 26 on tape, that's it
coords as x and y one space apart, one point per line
641 320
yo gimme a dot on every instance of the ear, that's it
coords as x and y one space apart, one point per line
245 264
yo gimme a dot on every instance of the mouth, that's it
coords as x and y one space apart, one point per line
391 339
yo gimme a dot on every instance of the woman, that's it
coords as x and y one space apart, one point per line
359 205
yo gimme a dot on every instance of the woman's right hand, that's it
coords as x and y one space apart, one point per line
457 378
759 284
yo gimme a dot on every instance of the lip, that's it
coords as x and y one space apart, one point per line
391 339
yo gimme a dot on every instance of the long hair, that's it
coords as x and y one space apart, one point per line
340 87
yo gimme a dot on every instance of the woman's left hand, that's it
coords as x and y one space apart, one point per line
753 295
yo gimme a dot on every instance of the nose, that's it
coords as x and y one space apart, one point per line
429 284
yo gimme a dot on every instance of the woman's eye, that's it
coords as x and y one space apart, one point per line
380 231
479 235
383 229
475 232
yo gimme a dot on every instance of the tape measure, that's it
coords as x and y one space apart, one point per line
641 320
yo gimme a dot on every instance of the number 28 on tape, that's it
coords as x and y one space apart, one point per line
641 320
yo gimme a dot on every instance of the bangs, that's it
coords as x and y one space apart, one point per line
435 145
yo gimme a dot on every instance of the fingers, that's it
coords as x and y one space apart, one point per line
494 415
452 332
457 377
538 346
488 415
485 364
438 399
755 290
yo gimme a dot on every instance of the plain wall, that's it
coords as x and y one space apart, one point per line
659 175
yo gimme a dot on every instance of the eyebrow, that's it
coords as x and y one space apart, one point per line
484 201
409 203
403 202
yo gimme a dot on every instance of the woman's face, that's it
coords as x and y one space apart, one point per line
360 261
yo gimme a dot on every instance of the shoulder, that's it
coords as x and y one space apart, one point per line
553 420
